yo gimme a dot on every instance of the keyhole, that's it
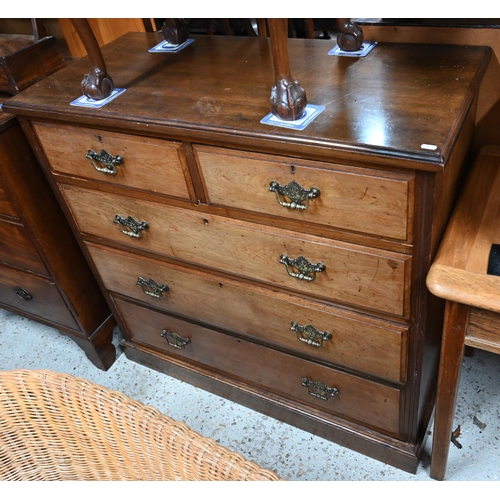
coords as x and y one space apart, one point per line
99 138
292 168
205 221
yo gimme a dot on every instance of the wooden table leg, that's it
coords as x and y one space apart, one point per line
452 349
288 99
97 84
175 30
350 36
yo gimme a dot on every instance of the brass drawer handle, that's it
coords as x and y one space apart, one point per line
310 335
319 390
130 226
23 294
298 196
151 287
108 161
305 269
174 339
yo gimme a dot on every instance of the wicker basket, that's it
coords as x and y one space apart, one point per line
54 426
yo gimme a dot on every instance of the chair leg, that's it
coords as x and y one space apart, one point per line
452 349
288 99
97 84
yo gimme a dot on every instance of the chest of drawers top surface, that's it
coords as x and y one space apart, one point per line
391 102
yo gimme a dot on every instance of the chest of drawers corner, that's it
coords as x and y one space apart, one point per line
43 273
283 270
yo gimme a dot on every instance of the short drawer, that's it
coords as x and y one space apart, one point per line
346 273
17 249
347 339
34 296
364 401
148 164
349 198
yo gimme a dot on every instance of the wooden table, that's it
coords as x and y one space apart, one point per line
459 275
211 283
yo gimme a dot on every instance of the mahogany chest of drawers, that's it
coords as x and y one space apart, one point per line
43 272
279 268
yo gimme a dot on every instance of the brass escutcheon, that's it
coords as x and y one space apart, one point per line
298 196
151 287
310 335
174 339
108 161
130 226
319 389
305 269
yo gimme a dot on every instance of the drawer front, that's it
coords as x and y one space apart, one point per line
351 199
375 347
483 329
353 274
17 249
361 400
148 164
6 207
43 299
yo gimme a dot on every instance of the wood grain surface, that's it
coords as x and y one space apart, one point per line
354 275
148 164
376 203
358 342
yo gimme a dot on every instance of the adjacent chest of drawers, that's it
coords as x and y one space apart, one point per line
43 272
282 269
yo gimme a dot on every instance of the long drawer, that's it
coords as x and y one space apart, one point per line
349 198
335 271
35 296
147 164
372 346
17 249
364 401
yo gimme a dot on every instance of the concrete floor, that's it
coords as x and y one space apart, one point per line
293 454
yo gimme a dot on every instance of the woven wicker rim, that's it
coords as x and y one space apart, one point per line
54 426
